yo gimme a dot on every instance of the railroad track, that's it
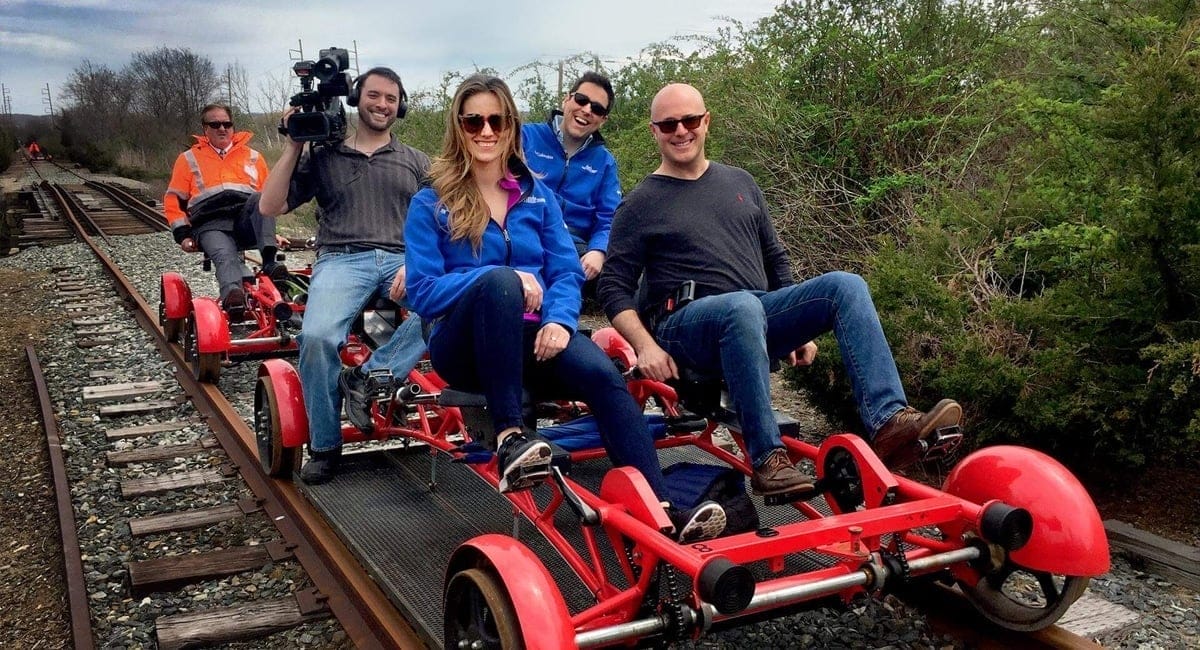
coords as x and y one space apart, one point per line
334 584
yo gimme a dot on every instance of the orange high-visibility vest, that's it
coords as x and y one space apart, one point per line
201 174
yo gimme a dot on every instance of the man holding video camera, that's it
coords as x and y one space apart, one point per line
363 184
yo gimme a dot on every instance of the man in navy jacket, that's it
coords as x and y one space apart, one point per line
568 153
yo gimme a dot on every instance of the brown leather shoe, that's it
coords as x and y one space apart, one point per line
779 476
896 443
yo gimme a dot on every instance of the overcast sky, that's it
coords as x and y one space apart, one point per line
43 41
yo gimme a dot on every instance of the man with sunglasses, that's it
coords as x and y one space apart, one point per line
568 152
701 225
212 204
362 185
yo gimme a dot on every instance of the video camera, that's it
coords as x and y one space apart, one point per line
322 118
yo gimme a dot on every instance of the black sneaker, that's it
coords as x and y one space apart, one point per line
705 521
234 304
354 396
321 466
523 463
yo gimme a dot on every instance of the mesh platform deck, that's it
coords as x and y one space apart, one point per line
404 534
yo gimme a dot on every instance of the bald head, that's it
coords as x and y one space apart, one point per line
680 125
675 94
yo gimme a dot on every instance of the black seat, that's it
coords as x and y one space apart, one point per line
707 395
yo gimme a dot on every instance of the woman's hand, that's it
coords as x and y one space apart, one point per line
551 340
532 290
593 263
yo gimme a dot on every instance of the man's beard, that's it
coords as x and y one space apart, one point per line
365 122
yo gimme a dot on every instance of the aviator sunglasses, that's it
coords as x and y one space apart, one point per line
598 109
218 125
473 122
691 123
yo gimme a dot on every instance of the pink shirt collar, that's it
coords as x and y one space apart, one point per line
510 183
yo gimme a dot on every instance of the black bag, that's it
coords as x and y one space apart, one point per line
689 484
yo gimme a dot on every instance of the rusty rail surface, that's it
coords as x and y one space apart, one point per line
81 616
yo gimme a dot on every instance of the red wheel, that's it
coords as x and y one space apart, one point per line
206 366
479 613
172 327
277 460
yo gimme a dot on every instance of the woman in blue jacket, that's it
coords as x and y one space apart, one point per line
490 263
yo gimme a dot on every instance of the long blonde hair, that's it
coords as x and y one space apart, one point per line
451 172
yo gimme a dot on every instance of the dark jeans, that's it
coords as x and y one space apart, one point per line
484 345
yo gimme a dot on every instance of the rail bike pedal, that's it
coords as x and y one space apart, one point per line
941 443
525 477
535 472
379 383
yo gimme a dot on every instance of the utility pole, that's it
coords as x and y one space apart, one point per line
5 101
229 85
48 100
356 73
560 78
297 53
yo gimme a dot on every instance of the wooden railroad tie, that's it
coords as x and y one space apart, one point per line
175 571
140 487
191 519
160 453
113 392
222 625
142 430
1169 559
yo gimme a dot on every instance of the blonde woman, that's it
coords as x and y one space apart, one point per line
491 264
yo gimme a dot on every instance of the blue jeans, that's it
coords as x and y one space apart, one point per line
342 284
735 335
484 345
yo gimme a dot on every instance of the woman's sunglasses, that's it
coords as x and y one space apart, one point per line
669 125
473 122
598 109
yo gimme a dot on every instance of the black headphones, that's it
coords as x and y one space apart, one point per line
387 73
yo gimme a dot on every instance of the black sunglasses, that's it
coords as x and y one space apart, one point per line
691 123
473 122
598 109
218 125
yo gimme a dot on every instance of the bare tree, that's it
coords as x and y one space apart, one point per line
100 100
173 84
236 87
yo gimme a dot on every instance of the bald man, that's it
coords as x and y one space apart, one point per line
698 223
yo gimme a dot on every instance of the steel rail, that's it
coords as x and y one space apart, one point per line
72 212
77 603
130 203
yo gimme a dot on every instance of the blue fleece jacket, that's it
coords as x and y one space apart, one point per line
586 183
534 239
